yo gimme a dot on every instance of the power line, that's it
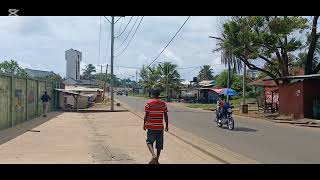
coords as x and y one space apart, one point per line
131 38
188 67
99 41
124 76
130 67
117 20
190 71
169 41
199 67
108 40
124 28
107 19
128 34
121 25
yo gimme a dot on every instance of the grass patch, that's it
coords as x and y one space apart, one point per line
106 101
139 95
236 102
202 106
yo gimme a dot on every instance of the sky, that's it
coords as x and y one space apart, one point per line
40 42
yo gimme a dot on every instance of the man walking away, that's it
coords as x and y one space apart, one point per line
45 101
155 110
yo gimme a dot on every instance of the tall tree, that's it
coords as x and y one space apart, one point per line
87 74
252 38
169 77
205 73
313 41
227 55
12 67
235 83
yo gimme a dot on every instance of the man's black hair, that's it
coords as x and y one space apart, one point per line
156 93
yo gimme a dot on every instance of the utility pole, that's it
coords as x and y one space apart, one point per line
107 77
105 82
229 75
111 64
244 84
136 84
136 76
112 42
104 90
167 87
101 68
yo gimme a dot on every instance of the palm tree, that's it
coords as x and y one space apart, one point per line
150 77
169 77
228 58
90 68
205 73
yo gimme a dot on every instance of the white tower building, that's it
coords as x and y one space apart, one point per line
73 58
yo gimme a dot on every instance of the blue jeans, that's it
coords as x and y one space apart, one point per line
221 113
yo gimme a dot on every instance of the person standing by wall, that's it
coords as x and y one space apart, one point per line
45 101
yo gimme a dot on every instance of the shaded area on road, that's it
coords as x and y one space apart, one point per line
15 131
244 129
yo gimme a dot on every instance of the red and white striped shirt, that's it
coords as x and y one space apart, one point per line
155 109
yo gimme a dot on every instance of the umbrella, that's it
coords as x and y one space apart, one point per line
226 91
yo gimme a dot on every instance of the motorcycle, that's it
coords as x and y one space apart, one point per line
227 118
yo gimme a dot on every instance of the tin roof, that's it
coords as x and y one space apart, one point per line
67 91
207 83
263 83
311 76
83 89
38 73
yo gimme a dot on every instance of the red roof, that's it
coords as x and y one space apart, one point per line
262 83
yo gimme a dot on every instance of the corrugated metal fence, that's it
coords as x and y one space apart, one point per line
20 99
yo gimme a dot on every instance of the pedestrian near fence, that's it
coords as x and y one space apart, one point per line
45 101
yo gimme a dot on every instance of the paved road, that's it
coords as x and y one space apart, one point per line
261 140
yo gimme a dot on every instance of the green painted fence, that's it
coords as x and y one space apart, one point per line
20 99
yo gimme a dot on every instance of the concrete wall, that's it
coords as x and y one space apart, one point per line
20 99
73 59
5 101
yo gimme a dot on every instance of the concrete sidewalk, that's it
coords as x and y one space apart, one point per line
106 137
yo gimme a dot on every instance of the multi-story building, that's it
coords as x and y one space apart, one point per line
73 58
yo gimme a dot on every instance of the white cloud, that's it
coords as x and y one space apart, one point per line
40 42
171 56
24 65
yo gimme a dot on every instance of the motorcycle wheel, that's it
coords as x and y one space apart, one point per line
219 124
230 124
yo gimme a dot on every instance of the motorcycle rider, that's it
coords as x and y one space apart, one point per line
222 107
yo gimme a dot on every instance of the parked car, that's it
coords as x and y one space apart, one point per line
120 93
